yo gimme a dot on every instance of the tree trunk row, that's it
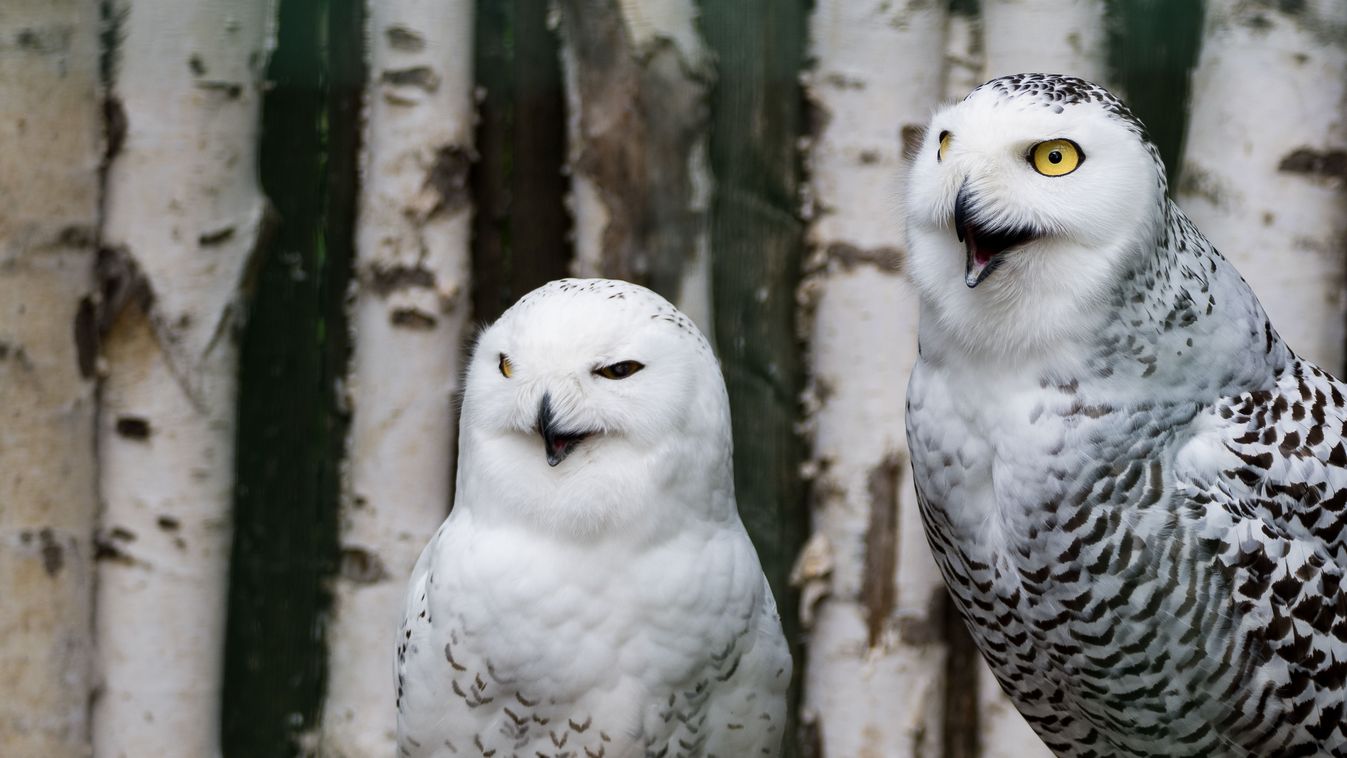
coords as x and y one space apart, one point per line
360 179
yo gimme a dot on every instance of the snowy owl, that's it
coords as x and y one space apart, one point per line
1135 490
593 591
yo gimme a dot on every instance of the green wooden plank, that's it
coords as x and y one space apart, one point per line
520 223
1152 49
294 350
757 244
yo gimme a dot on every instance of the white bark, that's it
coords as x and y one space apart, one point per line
965 57
1266 158
1044 36
653 100
873 682
408 321
183 215
50 129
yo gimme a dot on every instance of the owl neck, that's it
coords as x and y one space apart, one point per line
1183 317
613 490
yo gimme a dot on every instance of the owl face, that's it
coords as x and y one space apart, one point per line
588 390
1026 201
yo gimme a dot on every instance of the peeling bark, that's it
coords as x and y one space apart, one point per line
50 127
184 217
637 78
874 675
878 591
410 312
1264 164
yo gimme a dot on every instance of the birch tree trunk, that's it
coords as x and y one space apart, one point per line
1044 36
50 128
411 306
1267 156
965 56
873 598
637 77
184 214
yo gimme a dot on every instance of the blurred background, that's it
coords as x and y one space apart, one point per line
245 244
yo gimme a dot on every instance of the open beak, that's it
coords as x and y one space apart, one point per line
557 444
984 247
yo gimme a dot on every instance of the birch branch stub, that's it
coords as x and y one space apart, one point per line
408 321
50 127
1266 160
183 219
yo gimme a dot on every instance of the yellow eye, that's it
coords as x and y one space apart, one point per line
944 146
1056 157
619 370
505 368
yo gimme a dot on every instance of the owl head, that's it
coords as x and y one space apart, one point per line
588 401
1027 202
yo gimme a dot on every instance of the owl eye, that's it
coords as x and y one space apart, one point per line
944 146
620 370
505 367
1056 157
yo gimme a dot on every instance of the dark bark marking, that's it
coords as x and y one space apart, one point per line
362 566
1328 164
411 318
883 258
120 283
448 177
133 427
878 593
86 337
230 90
402 38
384 280
215 236
197 67
422 77
114 129
910 137
926 629
168 523
53 556
44 40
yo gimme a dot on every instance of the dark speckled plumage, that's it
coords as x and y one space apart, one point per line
1146 531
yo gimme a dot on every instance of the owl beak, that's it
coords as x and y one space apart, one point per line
985 248
557 444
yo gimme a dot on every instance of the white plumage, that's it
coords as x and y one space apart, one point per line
593 591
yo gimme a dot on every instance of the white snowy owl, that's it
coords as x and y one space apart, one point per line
593 592
1136 491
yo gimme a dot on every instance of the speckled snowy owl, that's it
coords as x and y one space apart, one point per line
1134 488
593 592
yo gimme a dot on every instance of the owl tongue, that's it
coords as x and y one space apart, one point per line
985 249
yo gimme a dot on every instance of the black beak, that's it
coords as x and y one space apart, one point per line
961 210
984 248
557 444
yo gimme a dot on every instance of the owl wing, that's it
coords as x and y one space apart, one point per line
1267 482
